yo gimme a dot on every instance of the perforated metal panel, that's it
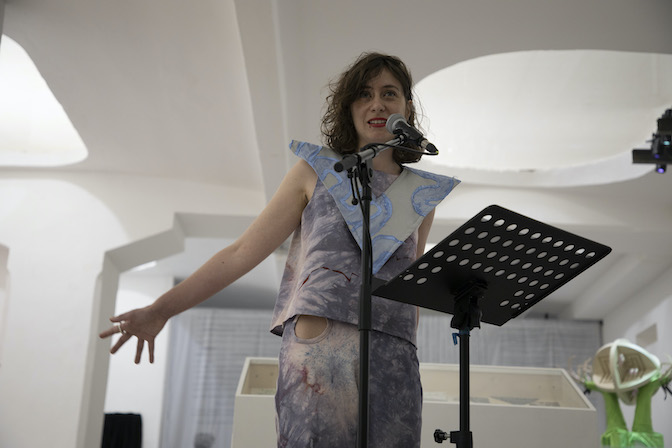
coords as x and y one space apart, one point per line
519 260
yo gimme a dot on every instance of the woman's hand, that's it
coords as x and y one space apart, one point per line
143 323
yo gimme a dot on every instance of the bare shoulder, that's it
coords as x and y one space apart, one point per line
303 177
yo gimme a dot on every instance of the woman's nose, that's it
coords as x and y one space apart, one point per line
377 104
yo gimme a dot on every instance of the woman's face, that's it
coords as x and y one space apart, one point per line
381 97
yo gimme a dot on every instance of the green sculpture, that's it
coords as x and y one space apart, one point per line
622 371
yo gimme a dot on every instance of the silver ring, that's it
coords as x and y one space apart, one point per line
118 325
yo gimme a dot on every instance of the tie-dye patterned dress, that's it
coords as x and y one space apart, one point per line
317 395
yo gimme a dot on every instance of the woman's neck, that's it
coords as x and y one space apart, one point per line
384 162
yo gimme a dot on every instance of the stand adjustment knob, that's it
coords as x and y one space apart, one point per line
440 436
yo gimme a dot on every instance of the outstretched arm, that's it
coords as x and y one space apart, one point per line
270 229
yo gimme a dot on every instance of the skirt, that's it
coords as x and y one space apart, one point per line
318 390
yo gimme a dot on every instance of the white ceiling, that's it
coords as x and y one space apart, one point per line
213 91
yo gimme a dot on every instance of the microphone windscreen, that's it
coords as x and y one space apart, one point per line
392 120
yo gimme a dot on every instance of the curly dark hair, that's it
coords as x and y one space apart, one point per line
338 129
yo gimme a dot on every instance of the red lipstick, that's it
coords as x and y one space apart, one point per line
377 122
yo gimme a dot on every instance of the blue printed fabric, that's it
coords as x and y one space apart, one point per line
395 212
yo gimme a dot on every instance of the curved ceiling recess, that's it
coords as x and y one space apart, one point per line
34 128
545 118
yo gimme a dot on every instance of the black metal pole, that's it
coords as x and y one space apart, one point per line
361 163
365 319
465 438
467 315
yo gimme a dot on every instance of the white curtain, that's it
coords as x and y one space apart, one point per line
519 342
208 348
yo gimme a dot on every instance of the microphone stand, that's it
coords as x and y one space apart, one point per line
352 162
360 165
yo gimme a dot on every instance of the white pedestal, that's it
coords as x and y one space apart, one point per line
509 407
513 407
254 406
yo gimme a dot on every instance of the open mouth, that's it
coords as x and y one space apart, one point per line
377 122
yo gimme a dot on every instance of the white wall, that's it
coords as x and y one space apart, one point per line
138 388
56 233
57 230
635 320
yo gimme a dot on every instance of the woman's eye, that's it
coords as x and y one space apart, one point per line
390 93
364 94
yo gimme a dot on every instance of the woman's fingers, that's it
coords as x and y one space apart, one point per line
107 333
141 323
138 350
121 317
125 336
122 340
150 344
118 327
114 329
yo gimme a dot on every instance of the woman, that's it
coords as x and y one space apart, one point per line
317 308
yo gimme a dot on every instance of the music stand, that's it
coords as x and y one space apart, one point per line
493 268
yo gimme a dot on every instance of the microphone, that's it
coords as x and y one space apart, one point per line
397 124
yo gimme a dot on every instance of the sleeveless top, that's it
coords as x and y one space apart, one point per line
322 272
